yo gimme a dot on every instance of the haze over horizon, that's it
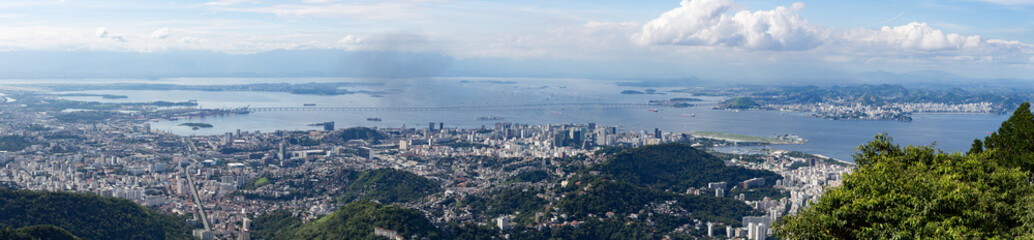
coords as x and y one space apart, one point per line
715 40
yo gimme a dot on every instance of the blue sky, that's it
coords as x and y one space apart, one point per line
709 38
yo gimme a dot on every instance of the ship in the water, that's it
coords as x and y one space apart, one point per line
490 118
373 119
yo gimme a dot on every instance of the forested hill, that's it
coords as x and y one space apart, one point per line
676 167
355 220
917 192
389 185
86 216
39 232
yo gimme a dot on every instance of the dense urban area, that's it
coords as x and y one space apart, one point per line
507 180
869 102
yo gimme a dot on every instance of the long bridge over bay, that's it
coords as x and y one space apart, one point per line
519 107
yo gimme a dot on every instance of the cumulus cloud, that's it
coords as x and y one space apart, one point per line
226 2
351 40
103 33
920 36
715 25
160 33
705 23
191 40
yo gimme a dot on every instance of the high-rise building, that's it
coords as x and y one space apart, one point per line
228 139
657 133
503 222
403 144
245 233
282 154
441 126
366 153
757 226
430 126
710 229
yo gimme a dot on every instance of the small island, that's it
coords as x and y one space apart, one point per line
196 126
738 103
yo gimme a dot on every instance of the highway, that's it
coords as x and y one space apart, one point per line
191 149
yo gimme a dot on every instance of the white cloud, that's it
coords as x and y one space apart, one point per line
226 2
1010 2
160 33
191 40
712 25
357 10
705 23
351 40
102 33
920 36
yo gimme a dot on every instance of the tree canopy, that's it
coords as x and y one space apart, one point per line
355 220
918 192
93 217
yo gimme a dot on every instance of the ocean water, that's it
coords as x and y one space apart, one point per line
838 139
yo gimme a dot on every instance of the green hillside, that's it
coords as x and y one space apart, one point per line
39 232
388 185
623 198
355 220
917 192
676 167
739 103
88 216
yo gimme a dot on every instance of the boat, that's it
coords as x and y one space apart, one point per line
490 118
373 119
651 110
309 104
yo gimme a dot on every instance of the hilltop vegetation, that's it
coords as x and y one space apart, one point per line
357 133
389 185
739 103
93 217
675 167
916 192
13 143
277 225
355 220
39 232
619 197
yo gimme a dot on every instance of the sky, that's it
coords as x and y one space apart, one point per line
719 39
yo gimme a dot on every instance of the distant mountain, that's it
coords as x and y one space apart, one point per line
87 216
676 167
